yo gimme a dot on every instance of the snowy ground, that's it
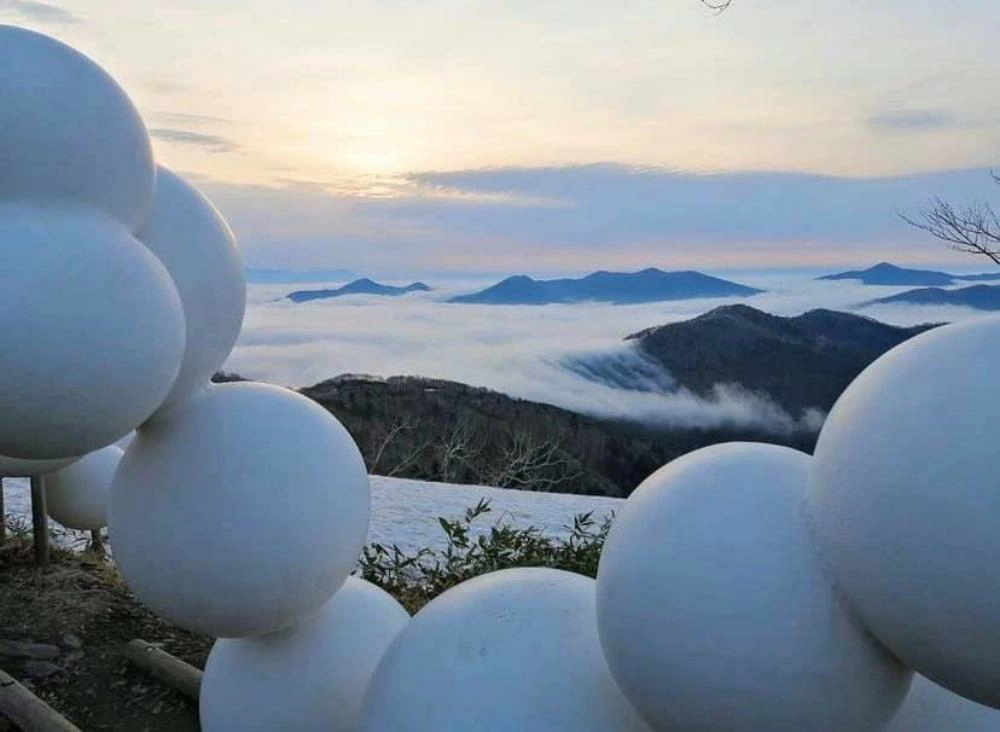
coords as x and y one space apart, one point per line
404 512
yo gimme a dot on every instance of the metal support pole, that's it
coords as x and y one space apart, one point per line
3 517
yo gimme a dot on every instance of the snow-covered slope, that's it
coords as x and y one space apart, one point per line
404 512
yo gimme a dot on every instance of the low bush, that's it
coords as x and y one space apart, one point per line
418 577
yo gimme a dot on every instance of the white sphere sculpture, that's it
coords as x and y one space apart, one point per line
714 612
18 468
905 504
510 650
240 511
69 133
77 496
929 708
194 243
93 331
310 677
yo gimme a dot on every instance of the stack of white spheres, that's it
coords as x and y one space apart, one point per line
515 649
929 708
319 669
92 325
715 614
905 504
77 495
236 510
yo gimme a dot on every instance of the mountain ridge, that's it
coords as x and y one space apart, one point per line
980 297
888 274
801 363
362 286
620 288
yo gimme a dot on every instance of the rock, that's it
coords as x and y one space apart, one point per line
27 649
41 669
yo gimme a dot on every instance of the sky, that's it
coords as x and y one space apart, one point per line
401 138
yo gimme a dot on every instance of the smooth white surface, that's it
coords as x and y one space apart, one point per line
510 650
905 501
310 677
715 615
77 496
194 243
929 708
18 468
68 132
91 331
240 511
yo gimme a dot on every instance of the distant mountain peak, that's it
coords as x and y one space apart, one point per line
647 285
362 286
888 274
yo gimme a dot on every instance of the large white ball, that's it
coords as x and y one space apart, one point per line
929 708
310 677
68 132
196 246
714 612
77 496
240 511
91 331
905 502
18 468
510 650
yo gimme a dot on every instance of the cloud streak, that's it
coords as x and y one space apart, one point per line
912 120
210 143
579 218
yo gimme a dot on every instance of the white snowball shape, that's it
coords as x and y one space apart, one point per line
77 496
510 650
929 708
199 251
240 511
312 676
714 612
69 132
905 504
18 468
92 331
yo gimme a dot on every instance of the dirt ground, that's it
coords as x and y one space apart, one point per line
80 604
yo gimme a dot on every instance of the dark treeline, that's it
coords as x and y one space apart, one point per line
429 429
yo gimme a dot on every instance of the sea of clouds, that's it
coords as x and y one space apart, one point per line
523 350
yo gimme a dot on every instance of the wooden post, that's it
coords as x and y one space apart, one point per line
172 671
39 521
27 711
96 543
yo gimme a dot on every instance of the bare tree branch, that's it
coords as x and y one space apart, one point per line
460 449
972 230
532 462
392 436
718 6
